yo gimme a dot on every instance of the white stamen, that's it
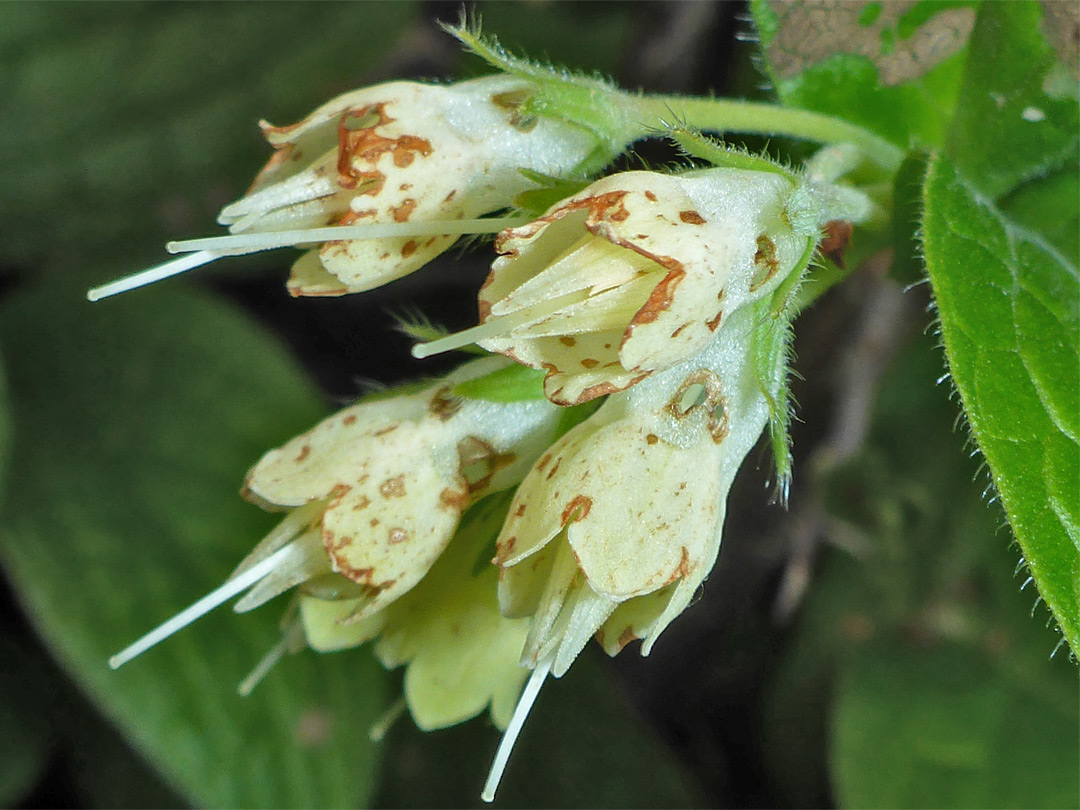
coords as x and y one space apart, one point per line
288 640
216 597
151 274
495 327
268 240
521 711
381 727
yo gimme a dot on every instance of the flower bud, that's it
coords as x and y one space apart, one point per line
636 273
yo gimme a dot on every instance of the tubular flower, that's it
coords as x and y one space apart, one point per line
375 495
617 525
404 166
637 272
460 654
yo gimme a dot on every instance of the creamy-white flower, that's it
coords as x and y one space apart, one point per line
379 181
460 654
618 524
636 273
376 493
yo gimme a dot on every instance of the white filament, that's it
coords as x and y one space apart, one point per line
292 636
216 597
151 274
204 251
521 711
381 727
267 240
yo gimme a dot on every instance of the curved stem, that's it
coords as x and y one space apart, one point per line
733 115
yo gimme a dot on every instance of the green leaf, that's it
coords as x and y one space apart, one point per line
918 672
136 421
137 121
582 746
894 68
1050 206
1016 115
947 726
1009 306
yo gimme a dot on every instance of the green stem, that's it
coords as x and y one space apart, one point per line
731 115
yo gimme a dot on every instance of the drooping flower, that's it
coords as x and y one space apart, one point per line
461 655
617 525
636 273
376 493
379 181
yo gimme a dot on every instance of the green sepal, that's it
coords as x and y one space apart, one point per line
695 144
552 190
773 355
513 383
589 102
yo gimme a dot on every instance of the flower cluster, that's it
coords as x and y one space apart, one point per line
492 522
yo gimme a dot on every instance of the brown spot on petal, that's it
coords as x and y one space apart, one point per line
405 186
454 499
363 503
359 140
443 404
374 522
393 487
401 213
450 196
691 217
682 570
714 322
305 451
625 637
577 509
566 340
554 468
589 362
660 298
397 535
600 207
650 196
521 509
710 390
408 249
337 493
349 420
677 331
718 421
652 438
599 390
504 549
387 429
837 235
478 462
766 264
